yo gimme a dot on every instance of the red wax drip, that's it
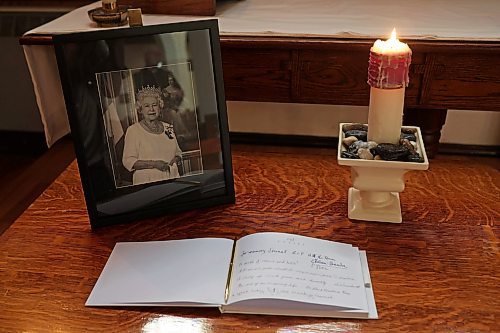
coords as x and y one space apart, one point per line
389 71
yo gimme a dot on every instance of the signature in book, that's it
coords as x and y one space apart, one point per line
328 263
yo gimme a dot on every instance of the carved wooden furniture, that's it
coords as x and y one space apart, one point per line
436 271
444 75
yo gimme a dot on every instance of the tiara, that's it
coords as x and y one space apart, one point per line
149 91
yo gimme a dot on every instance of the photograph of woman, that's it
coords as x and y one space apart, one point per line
151 151
173 93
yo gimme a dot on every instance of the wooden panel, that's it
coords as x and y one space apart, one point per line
412 92
443 74
466 81
256 74
333 77
437 271
339 77
183 7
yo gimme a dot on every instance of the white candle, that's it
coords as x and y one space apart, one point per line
388 76
385 115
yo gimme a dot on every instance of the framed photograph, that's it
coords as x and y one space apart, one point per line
148 118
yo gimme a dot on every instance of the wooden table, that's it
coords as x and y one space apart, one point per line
438 270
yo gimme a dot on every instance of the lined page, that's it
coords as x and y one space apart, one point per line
297 268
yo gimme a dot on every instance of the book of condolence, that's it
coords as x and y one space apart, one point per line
262 273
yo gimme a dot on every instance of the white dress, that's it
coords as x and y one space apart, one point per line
142 145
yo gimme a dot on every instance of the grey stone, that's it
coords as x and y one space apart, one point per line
346 154
409 130
407 144
409 136
415 158
355 126
391 152
361 135
349 141
365 154
372 144
353 148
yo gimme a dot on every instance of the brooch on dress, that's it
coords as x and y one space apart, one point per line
169 131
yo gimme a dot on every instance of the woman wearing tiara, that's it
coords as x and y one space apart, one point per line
151 150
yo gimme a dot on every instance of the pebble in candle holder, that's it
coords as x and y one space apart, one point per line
357 146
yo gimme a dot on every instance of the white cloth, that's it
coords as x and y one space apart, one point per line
145 146
42 65
415 19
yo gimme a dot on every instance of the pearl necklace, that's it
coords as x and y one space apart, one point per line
155 128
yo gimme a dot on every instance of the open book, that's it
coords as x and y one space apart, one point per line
263 273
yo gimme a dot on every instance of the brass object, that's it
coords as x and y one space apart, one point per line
110 6
109 15
177 7
135 17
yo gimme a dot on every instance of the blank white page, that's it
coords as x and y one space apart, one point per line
153 273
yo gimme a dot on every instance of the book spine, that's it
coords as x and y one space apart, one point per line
228 282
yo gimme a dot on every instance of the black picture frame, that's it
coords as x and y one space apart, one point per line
111 81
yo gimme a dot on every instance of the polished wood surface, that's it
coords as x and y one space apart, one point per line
437 271
21 177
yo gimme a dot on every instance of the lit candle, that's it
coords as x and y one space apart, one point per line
388 77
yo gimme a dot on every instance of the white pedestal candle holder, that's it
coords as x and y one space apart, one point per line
376 184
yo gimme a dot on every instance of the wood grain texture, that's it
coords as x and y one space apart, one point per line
437 271
262 75
21 179
475 76
444 75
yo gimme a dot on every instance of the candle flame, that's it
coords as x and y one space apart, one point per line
393 42
393 34
391 45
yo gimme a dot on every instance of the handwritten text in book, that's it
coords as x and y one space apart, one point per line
300 275
317 260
